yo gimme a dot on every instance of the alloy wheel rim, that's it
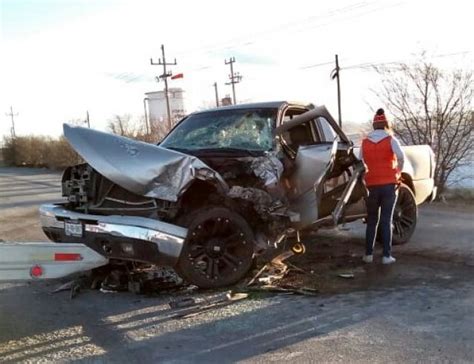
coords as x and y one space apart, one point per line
218 248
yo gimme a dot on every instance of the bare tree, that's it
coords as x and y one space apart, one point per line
434 107
124 125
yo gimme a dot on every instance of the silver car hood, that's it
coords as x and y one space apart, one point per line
142 168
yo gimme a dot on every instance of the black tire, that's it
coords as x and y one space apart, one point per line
405 216
219 248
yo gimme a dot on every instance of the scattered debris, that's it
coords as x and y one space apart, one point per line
64 287
217 302
275 270
191 288
346 275
110 279
344 227
298 269
286 289
182 302
115 281
74 287
153 279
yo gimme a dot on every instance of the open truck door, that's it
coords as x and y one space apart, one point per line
42 260
313 150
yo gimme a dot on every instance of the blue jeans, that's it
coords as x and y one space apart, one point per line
380 206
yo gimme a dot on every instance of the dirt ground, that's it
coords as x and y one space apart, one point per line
417 310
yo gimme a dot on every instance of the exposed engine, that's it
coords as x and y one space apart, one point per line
90 192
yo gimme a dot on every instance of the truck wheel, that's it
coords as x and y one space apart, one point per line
218 250
405 216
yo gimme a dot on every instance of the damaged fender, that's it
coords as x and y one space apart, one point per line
142 168
268 168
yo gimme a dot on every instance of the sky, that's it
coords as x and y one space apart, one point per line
62 58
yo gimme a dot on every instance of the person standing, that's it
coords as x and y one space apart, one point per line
383 157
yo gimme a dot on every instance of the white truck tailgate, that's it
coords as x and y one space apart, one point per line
45 260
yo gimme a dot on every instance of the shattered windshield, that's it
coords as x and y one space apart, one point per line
245 129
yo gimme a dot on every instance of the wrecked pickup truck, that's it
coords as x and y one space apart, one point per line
220 188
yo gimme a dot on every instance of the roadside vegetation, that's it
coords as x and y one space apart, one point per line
56 153
39 151
459 195
431 106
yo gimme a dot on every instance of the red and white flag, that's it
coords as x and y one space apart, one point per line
178 75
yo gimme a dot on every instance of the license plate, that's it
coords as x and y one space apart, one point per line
73 228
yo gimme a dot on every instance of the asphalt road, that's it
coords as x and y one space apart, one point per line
418 310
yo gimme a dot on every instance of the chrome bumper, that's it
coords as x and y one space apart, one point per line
167 238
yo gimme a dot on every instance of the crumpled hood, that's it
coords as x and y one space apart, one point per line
377 136
142 168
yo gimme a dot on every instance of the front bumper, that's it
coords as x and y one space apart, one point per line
117 237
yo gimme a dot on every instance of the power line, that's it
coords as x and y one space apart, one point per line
251 38
165 76
358 7
316 65
371 64
351 17
374 64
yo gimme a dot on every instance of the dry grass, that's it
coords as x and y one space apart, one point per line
39 151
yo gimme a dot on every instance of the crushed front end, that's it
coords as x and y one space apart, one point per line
114 222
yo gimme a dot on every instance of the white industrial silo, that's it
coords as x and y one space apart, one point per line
155 104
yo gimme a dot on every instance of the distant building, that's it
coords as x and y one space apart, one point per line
226 101
156 104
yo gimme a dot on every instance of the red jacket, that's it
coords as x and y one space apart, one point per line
381 162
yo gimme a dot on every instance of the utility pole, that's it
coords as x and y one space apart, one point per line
336 74
87 119
217 95
12 115
234 77
147 126
164 76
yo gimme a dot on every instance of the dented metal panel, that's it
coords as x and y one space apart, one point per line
268 168
313 163
261 200
319 111
142 168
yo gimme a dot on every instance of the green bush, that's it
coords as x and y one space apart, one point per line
39 151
